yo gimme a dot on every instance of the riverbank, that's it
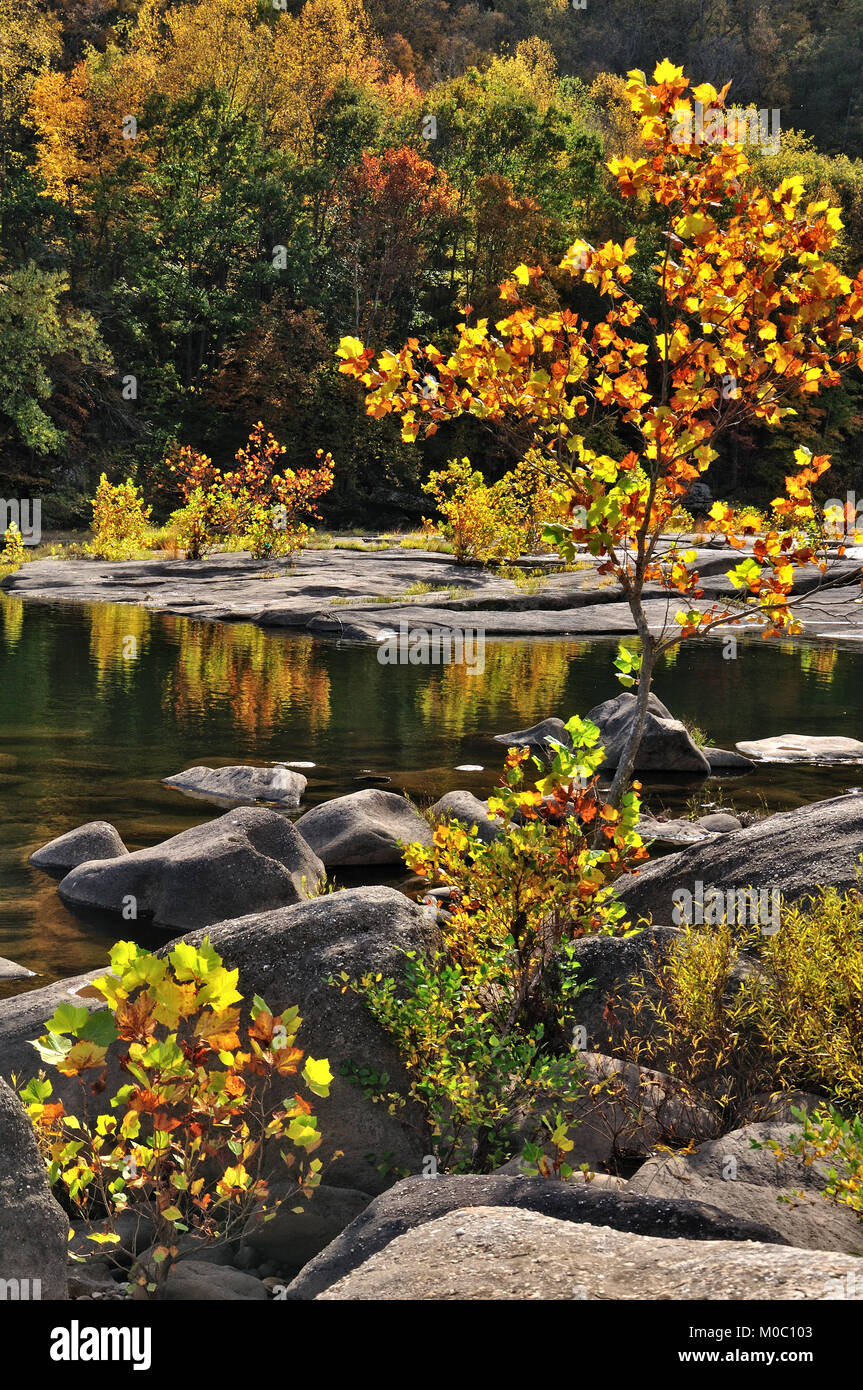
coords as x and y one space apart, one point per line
359 595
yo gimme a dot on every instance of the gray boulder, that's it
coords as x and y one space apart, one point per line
468 810
804 748
194 1281
241 783
95 840
249 859
608 967
489 1254
11 970
416 1201
364 827
539 739
33 1227
724 760
666 745
790 852
753 1183
288 956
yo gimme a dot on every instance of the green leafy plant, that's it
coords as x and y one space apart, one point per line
183 1141
120 521
484 1026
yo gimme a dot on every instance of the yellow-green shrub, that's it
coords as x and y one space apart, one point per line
120 521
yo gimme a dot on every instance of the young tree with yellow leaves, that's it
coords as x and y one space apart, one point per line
746 317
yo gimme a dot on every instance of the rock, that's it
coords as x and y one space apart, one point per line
724 760
539 738
629 1109
790 852
776 1106
33 1227
94 1277
720 821
803 748
249 859
241 783
468 810
608 965
418 1200
198 1280
288 956
293 1237
666 745
11 970
489 1254
364 827
750 1183
95 840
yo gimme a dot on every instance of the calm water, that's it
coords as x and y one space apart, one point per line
91 721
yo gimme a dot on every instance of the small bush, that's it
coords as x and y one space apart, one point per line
120 521
182 1142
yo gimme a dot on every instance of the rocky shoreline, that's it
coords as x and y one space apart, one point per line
360 595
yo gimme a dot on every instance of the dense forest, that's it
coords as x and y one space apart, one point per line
198 199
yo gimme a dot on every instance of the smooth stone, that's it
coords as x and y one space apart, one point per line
666 744
790 852
241 783
33 1226
200 1281
753 1183
365 827
250 858
806 748
468 810
539 739
11 970
96 840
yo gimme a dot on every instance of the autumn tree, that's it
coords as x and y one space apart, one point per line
746 319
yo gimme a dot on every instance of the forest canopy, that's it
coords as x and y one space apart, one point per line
198 200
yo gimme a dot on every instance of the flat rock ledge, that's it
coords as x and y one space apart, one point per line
369 588
486 1253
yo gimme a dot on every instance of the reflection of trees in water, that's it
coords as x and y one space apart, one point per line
13 619
260 677
118 636
529 678
814 661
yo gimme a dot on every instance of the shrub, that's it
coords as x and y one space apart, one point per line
485 1026
183 1140
120 521
827 1134
254 507
12 556
493 522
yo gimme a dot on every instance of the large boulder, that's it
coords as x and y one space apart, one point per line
249 859
418 1200
666 745
539 739
96 840
790 852
608 967
33 1227
753 1184
241 783
289 957
489 1254
364 827
198 1281
468 810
